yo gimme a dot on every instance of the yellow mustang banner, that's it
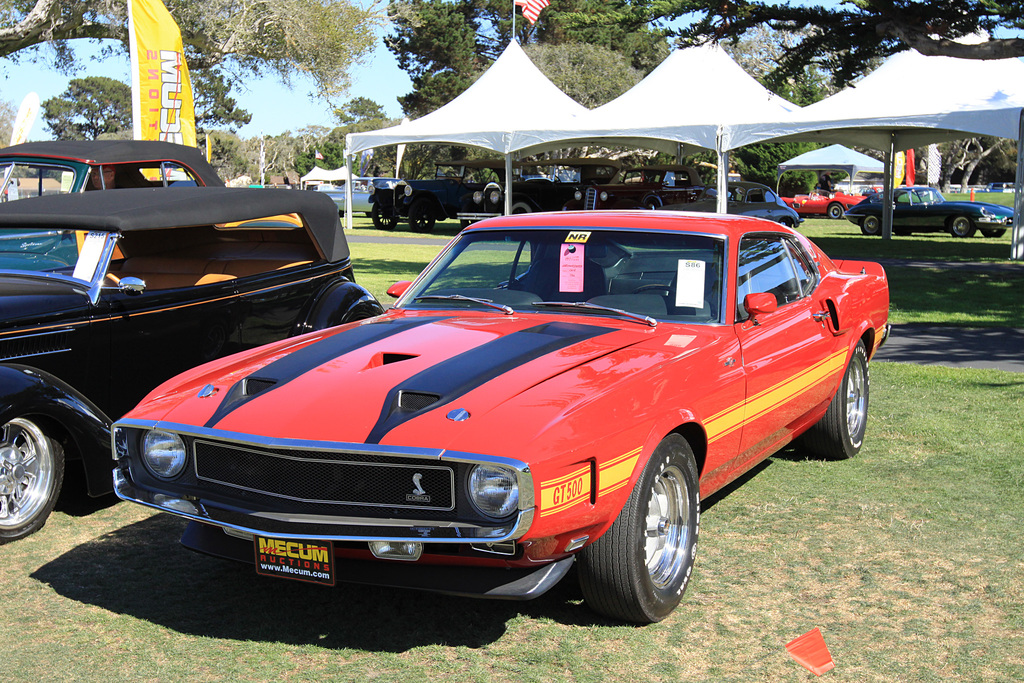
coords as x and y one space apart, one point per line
162 106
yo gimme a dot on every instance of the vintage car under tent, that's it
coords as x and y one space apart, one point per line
511 94
902 105
833 158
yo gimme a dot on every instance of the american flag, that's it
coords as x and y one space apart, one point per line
532 8
317 155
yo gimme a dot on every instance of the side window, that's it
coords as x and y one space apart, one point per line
755 196
806 273
766 265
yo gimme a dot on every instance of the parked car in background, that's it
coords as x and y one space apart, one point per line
424 202
362 188
34 169
544 185
555 388
833 205
999 187
745 199
106 294
923 209
646 187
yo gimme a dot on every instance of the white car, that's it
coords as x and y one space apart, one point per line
361 190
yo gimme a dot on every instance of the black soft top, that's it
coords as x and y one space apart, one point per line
118 152
178 207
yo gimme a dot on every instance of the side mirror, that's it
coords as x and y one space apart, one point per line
131 285
398 289
761 302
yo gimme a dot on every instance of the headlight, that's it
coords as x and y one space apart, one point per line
163 453
408 190
495 196
478 197
494 490
373 188
578 196
604 196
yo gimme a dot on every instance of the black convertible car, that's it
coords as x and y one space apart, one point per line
104 295
923 209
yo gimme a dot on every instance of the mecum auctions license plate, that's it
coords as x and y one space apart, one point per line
302 560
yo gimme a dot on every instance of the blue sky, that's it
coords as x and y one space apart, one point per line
274 107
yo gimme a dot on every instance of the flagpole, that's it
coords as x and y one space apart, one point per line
513 36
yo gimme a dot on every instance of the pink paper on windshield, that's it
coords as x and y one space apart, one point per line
570 268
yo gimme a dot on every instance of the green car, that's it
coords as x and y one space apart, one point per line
923 209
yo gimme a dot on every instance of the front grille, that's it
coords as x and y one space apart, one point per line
590 201
35 344
333 479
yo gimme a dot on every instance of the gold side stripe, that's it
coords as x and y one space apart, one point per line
564 478
615 461
565 506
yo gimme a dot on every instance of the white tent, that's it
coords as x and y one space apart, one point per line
911 101
321 175
688 101
511 94
832 158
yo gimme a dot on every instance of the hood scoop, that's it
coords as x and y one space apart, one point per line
254 385
416 400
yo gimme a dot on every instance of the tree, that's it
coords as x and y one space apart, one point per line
88 108
319 38
846 39
444 45
8 112
214 106
965 155
590 74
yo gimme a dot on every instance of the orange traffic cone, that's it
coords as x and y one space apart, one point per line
972 194
810 651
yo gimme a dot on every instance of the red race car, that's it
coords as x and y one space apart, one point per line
554 388
833 205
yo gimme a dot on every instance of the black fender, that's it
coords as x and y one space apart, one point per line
440 213
341 301
75 420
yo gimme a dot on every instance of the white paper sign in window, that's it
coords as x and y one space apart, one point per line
690 283
89 256
570 268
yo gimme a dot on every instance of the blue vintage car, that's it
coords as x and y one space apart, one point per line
923 209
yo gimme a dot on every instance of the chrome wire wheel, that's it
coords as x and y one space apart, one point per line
665 542
856 400
27 474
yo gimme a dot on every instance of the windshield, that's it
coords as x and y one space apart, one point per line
21 180
74 253
663 275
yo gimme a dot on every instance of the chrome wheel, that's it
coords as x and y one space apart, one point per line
871 226
28 473
856 399
666 542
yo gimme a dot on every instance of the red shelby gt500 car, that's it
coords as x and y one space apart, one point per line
553 388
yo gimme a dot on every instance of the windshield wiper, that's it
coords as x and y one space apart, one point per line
642 319
507 310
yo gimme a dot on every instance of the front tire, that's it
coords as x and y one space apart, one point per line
638 570
380 221
31 475
839 434
835 210
962 226
421 216
993 232
871 226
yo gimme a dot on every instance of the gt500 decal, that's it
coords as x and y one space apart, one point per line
559 494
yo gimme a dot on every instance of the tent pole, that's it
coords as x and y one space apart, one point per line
348 191
887 196
1017 244
508 183
722 203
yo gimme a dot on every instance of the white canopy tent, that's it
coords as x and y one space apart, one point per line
511 94
911 101
832 158
321 175
688 101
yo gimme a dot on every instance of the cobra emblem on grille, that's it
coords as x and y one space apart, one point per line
418 495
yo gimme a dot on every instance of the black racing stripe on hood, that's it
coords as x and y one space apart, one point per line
462 373
298 363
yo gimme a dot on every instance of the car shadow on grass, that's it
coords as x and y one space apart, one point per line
140 570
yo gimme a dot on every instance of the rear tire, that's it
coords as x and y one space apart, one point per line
31 475
835 210
839 434
962 226
993 232
638 570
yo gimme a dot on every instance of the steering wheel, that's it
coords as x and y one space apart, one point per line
646 288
